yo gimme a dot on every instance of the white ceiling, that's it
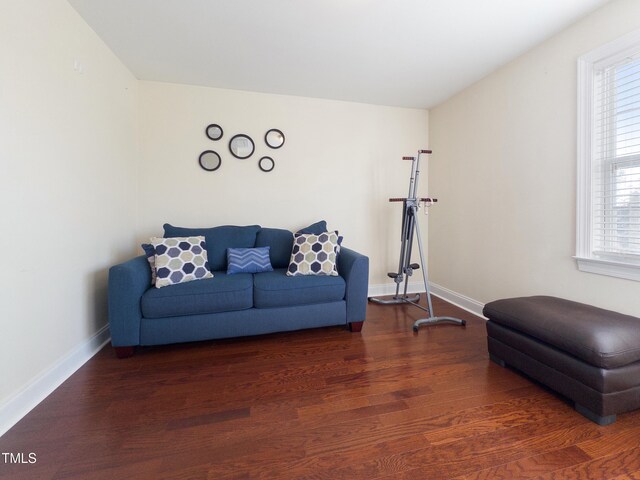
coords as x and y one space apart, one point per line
410 53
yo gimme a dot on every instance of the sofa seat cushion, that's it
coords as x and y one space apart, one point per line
276 289
222 293
596 336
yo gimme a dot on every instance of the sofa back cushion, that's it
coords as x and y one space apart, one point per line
315 228
281 243
218 239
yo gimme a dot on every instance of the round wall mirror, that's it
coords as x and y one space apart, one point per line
214 132
266 164
210 160
241 146
274 138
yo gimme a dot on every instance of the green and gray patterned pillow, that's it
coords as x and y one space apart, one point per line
180 260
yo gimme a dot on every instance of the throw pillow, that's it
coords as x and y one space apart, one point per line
318 228
248 260
180 260
314 254
150 252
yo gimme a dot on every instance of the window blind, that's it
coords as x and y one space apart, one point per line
615 175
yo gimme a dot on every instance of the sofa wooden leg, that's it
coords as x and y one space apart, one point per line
124 352
355 326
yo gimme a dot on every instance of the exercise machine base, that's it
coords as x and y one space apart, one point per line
396 300
435 320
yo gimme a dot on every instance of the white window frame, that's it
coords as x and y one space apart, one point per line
587 259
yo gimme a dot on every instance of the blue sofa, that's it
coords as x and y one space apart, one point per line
233 305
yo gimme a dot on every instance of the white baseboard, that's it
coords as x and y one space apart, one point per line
16 407
457 299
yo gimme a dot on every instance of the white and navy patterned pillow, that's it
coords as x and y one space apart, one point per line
150 252
314 254
248 260
180 260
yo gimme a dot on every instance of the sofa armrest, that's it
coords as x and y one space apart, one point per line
127 282
354 268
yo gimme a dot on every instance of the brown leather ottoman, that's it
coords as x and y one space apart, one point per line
588 354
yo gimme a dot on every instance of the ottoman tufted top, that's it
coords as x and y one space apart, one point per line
599 337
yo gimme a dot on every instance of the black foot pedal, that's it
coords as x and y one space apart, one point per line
414 266
392 275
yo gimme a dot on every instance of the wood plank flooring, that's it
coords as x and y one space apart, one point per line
318 404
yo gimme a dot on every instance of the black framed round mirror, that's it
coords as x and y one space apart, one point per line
209 160
214 131
266 164
274 138
241 146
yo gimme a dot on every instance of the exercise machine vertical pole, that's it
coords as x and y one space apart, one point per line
403 254
431 319
407 241
425 275
409 226
409 215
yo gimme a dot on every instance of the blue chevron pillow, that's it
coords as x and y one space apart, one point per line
248 260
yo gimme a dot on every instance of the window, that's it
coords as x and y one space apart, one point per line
608 214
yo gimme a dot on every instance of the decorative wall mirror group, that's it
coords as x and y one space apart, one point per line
241 147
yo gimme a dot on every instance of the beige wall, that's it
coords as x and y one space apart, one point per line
94 161
67 184
504 168
341 162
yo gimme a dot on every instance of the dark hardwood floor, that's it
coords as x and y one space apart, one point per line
318 404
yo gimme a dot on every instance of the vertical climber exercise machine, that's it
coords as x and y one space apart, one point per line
410 226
